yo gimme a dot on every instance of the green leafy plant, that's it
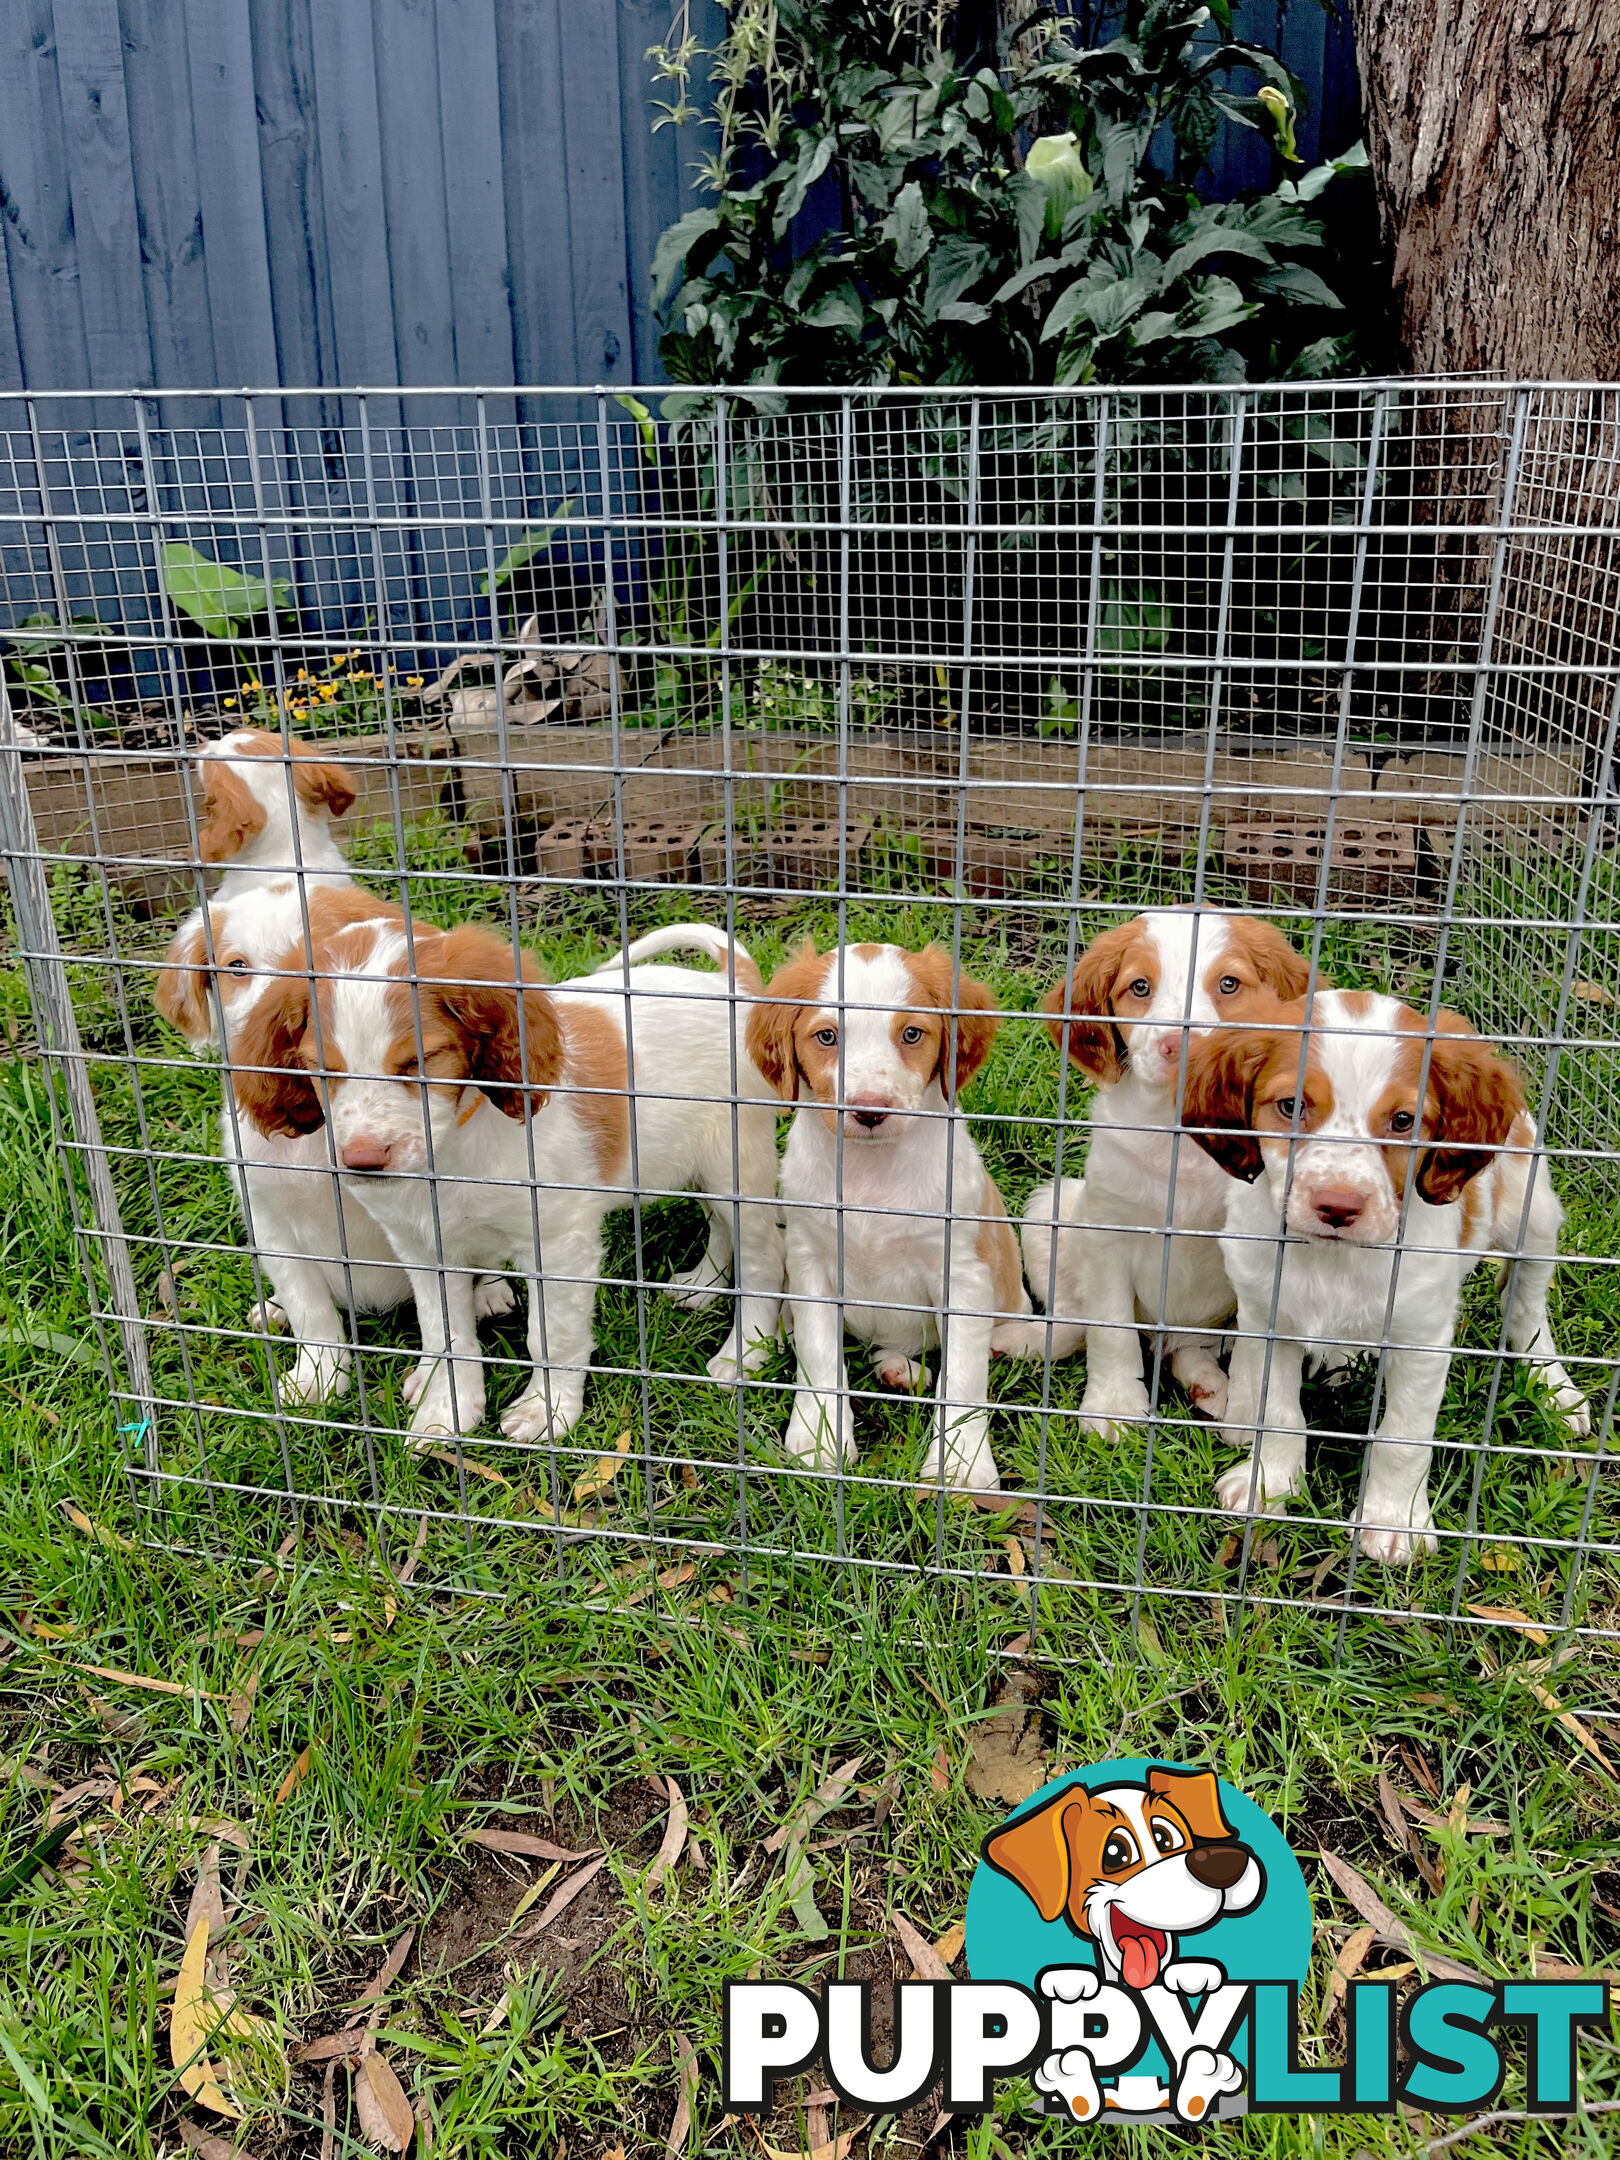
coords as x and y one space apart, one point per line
218 599
1041 224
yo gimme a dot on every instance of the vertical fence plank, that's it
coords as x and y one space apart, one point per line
593 143
231 189
294 211
168 200
475 195
659 185
95 121
42 256
537 225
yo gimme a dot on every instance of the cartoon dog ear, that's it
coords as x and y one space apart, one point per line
1480 1098
1035 1852
1196 1797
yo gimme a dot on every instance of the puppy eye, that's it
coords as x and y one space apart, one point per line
827 1037
1141 988
1228 986
1118 1853
412 1071
1286 1106
238 966
1401 1121
1166 1836
911 1035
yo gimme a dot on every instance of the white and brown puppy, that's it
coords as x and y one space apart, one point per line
315 1257
487 1121
1124 1017
1361 1207
267 811
890 1212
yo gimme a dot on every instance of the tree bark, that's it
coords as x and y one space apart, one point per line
1493 127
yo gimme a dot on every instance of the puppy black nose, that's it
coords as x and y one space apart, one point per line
1217 1867
870 1120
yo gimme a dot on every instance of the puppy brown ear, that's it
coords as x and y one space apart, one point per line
1034 1852
1196 1797
181 991
232 814
1276 962
514 1045
1081 1010
272 1084
319 784
975 1020
1218 1107
771 1023
1480 1097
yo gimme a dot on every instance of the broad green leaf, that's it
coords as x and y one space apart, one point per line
29 1334
1309 185
217 598
1216 306
1214 240
814 159
675 245
837 309
907 226
956 264
1293 282
538 537
1104 301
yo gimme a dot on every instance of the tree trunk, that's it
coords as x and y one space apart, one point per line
1493 127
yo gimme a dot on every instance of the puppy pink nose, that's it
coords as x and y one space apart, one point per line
365 1155
1338 1205
868 1112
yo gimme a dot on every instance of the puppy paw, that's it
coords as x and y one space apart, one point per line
316 1375
1029 1338
1398 1548
1192 1976
895 1371
1200 2081
1115 1407
266 1318
492 1296
819 1436
1232 1492
696 1290
1071 2076
1571 1404
1070 1983
534 1417
727 1366
965 1464
441 1415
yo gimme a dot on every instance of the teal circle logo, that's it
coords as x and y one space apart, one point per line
1138 1899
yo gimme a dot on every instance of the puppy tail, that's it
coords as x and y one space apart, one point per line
699 937
1035 1235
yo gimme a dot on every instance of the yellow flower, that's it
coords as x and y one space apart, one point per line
252 683
362 675
413 682
230 701
329 690
303 674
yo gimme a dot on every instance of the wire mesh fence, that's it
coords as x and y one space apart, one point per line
1152 853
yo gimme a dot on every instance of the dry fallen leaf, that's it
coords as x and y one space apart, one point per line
189 2027
927 1964
1005 1762
599 1478
561 1899
294 1778
1017 1560
828 1795
838 2149
142 1680
948 1947
240 1712
939 1771
473 1469
118 1724
389 1970
674 1838
686 2073
532 1893
1511 1616
207 2144
1500 1561
385 2115
1352 1956
207 1900
92 1529
524 1843
1377 1914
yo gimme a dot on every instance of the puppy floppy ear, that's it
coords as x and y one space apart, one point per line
320 785
1480 1097
272 1083
182 989
1196 1797
973 1007
1035 1851
1081 1017
1276 962
771 1025
1217 1109
514 1045
232 814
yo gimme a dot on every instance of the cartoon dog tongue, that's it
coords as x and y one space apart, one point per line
1141 1950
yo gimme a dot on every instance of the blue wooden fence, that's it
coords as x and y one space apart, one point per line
220 192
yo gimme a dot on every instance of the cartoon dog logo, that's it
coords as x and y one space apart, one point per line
1134 1870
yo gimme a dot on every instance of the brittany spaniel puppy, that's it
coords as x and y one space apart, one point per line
1362 1209
484 1120
1124 1016
267 810
881 1180
222 960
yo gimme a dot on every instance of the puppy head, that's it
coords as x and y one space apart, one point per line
1139 988
907 1025
1131 1867
244 783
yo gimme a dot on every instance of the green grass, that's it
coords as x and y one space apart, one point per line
503 1686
